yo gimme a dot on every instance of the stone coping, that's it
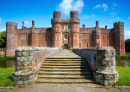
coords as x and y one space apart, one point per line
35 48
96 48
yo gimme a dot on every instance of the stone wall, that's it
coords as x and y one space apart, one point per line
102 62
27 63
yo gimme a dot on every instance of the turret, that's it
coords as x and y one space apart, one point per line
56 14
32 23
119 38
97 23
74 29
56 29
74 14
11 38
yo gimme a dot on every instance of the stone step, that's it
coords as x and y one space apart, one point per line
64 73
64 64
65 57
64 67
64 81
66 76
65 60
78 69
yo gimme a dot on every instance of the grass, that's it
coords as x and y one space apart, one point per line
6 77
7 57
124 75
127 56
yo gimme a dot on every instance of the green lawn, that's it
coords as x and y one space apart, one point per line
7 57
124 75
6 77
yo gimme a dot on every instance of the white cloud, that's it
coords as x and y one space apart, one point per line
118 18
128 17
97 6
86 16
111 20
68 5
104 6
0 20
27 23
2 29
89 16
127 35
112 13
114 4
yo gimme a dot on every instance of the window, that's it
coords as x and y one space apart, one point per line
79 44
62 26
36 38
107 44
74 28
89 36
103 45
50 45
48 37
26 37
12 37
35 59
65 36
117 38
42 37
107 37
97 44
87 44
12 46
97 36
68 26
56 28
39 45
103 37
19 37
79 36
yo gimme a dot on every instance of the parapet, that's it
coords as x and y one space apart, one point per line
11 24
74 14
56 14
120 23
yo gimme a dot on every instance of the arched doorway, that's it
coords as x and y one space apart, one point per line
65 46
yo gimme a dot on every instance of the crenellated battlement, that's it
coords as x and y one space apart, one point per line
11 24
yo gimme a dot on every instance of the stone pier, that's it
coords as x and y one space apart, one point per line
102 62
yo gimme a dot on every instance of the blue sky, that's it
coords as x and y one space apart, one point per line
41 11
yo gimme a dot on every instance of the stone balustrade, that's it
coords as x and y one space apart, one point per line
27 63
102 62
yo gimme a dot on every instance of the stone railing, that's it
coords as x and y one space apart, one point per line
27 63
102 62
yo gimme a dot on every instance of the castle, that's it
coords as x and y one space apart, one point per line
65 33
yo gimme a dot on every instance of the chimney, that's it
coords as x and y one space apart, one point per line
32 23
97 23
22 24
83 25
106 26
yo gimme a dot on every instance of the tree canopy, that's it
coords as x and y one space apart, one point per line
3 39
127 45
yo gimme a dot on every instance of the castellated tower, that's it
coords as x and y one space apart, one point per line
119 38
74 29
11 38
56 29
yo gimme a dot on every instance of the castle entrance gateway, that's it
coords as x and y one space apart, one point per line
65 39
65 46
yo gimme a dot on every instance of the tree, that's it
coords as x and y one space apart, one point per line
3 39
127 45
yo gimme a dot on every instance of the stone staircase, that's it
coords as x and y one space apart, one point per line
66 70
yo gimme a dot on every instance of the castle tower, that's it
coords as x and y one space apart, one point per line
56 29
11 38
119 38
74 29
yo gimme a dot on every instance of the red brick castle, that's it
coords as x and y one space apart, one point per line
65 33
